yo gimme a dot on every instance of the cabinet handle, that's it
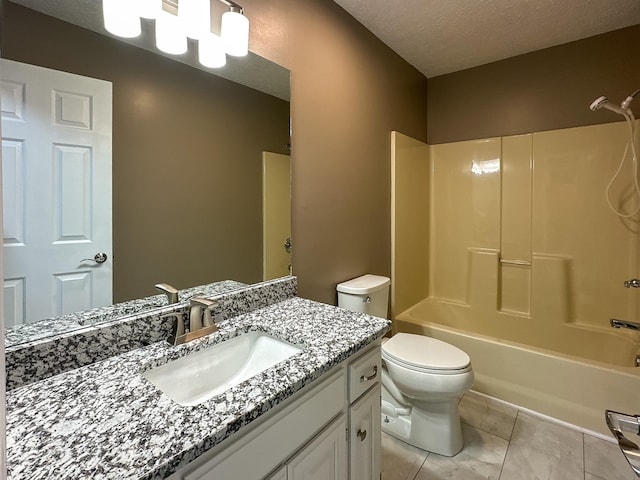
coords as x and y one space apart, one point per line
370 377
361 435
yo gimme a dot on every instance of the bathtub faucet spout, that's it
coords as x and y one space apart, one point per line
615 323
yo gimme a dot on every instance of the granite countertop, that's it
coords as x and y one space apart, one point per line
48 327
105 421
127 326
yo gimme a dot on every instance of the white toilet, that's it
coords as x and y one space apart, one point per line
422 377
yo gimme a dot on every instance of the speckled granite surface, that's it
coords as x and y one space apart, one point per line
43 358
105 421
48 327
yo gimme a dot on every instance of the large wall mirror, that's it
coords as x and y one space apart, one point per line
189 149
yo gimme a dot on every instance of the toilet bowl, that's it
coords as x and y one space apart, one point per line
422 379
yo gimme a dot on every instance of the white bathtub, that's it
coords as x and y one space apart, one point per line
580 374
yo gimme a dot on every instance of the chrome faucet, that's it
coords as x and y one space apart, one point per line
200 315
200 321
171 292
177 329
615 323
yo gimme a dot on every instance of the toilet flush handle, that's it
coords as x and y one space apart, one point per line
366 300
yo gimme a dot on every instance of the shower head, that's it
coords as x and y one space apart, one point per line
603 102
598 103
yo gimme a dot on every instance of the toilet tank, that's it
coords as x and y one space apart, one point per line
367 294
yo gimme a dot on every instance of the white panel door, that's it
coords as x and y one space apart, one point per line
56 167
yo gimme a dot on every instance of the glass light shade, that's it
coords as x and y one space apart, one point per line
149 8
211 51
170 37
235 33
120 19
195 16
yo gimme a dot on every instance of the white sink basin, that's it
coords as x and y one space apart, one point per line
200 376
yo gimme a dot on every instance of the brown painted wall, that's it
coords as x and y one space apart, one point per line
543 90
348 92
187 203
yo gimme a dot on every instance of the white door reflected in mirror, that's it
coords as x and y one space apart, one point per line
56 166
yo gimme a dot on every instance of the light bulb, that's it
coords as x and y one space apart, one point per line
170 37
195 16
211 51
149 8
235 33
120 19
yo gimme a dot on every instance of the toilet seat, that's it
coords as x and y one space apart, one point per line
425 354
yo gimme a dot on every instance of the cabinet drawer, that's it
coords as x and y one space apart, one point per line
363 373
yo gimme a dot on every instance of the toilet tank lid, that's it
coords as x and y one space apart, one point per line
364 284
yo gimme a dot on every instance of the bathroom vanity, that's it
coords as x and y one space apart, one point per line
332 426
317 411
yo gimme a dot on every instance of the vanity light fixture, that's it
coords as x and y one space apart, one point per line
121 20
235 31
211 51
175 20
170 36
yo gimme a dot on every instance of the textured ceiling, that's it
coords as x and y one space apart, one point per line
443 36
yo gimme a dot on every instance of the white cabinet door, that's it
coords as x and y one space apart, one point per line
56 187
325 458
364 437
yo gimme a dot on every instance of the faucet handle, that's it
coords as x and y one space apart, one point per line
615 323
203 302
207 305
171 292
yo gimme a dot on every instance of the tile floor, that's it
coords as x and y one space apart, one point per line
505 443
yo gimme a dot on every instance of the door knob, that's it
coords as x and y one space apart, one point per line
99 258
634 282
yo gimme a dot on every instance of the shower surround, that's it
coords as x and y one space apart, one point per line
506 248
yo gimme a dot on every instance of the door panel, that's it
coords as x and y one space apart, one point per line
56 165
13 192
